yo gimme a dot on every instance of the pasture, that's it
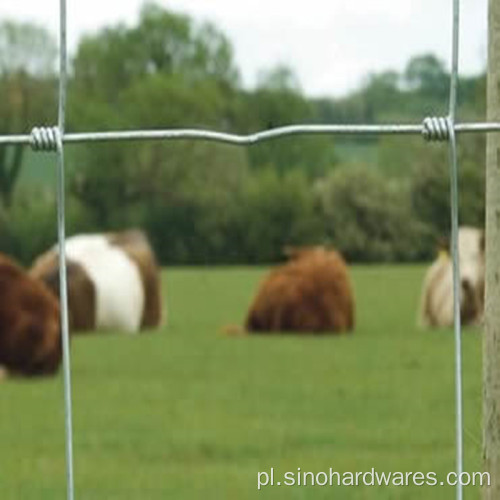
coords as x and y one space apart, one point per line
189 413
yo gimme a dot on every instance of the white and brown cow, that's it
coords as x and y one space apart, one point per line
436 305
30 339
113 281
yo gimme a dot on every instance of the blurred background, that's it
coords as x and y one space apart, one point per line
231 69
188 411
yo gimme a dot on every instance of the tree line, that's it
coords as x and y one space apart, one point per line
376 199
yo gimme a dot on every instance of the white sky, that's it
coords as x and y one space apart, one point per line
332 45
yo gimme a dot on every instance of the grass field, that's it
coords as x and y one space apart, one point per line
187 413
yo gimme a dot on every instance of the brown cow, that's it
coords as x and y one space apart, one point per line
30 339
310 293
81 291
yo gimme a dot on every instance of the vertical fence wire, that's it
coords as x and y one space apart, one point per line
61 230
454 245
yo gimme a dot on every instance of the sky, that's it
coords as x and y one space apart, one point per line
332 45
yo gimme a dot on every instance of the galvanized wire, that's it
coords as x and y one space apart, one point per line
250 139
454 247
63 297
444 129
61 231
456 308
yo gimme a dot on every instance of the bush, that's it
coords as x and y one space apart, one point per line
369 218
276 211
430 187
29 227
251 226
176 232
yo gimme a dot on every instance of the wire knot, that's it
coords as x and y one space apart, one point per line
436 128
45 139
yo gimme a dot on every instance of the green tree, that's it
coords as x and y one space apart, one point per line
26 48
162 42
379 90
165 72
278 101
427 74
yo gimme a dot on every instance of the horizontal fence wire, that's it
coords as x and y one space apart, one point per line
254 138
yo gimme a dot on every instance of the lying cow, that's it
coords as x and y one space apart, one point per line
30 339
113 281
310 293
436 306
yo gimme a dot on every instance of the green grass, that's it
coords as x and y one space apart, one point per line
188 413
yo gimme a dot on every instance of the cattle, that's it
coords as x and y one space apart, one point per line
135 244
30 338
310 293
436 303
113 281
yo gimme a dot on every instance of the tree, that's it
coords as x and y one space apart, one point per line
380 89
278 101
164 72
27 56
426 73
163 42
26 48
280 78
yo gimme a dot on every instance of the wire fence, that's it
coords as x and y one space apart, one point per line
432 128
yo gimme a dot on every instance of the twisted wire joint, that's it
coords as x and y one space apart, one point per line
45 138
436 128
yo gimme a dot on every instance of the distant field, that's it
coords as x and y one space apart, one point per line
39 169
186 413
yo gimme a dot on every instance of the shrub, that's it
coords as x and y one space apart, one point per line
252 225
430 190
29 227
276 211
369 218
